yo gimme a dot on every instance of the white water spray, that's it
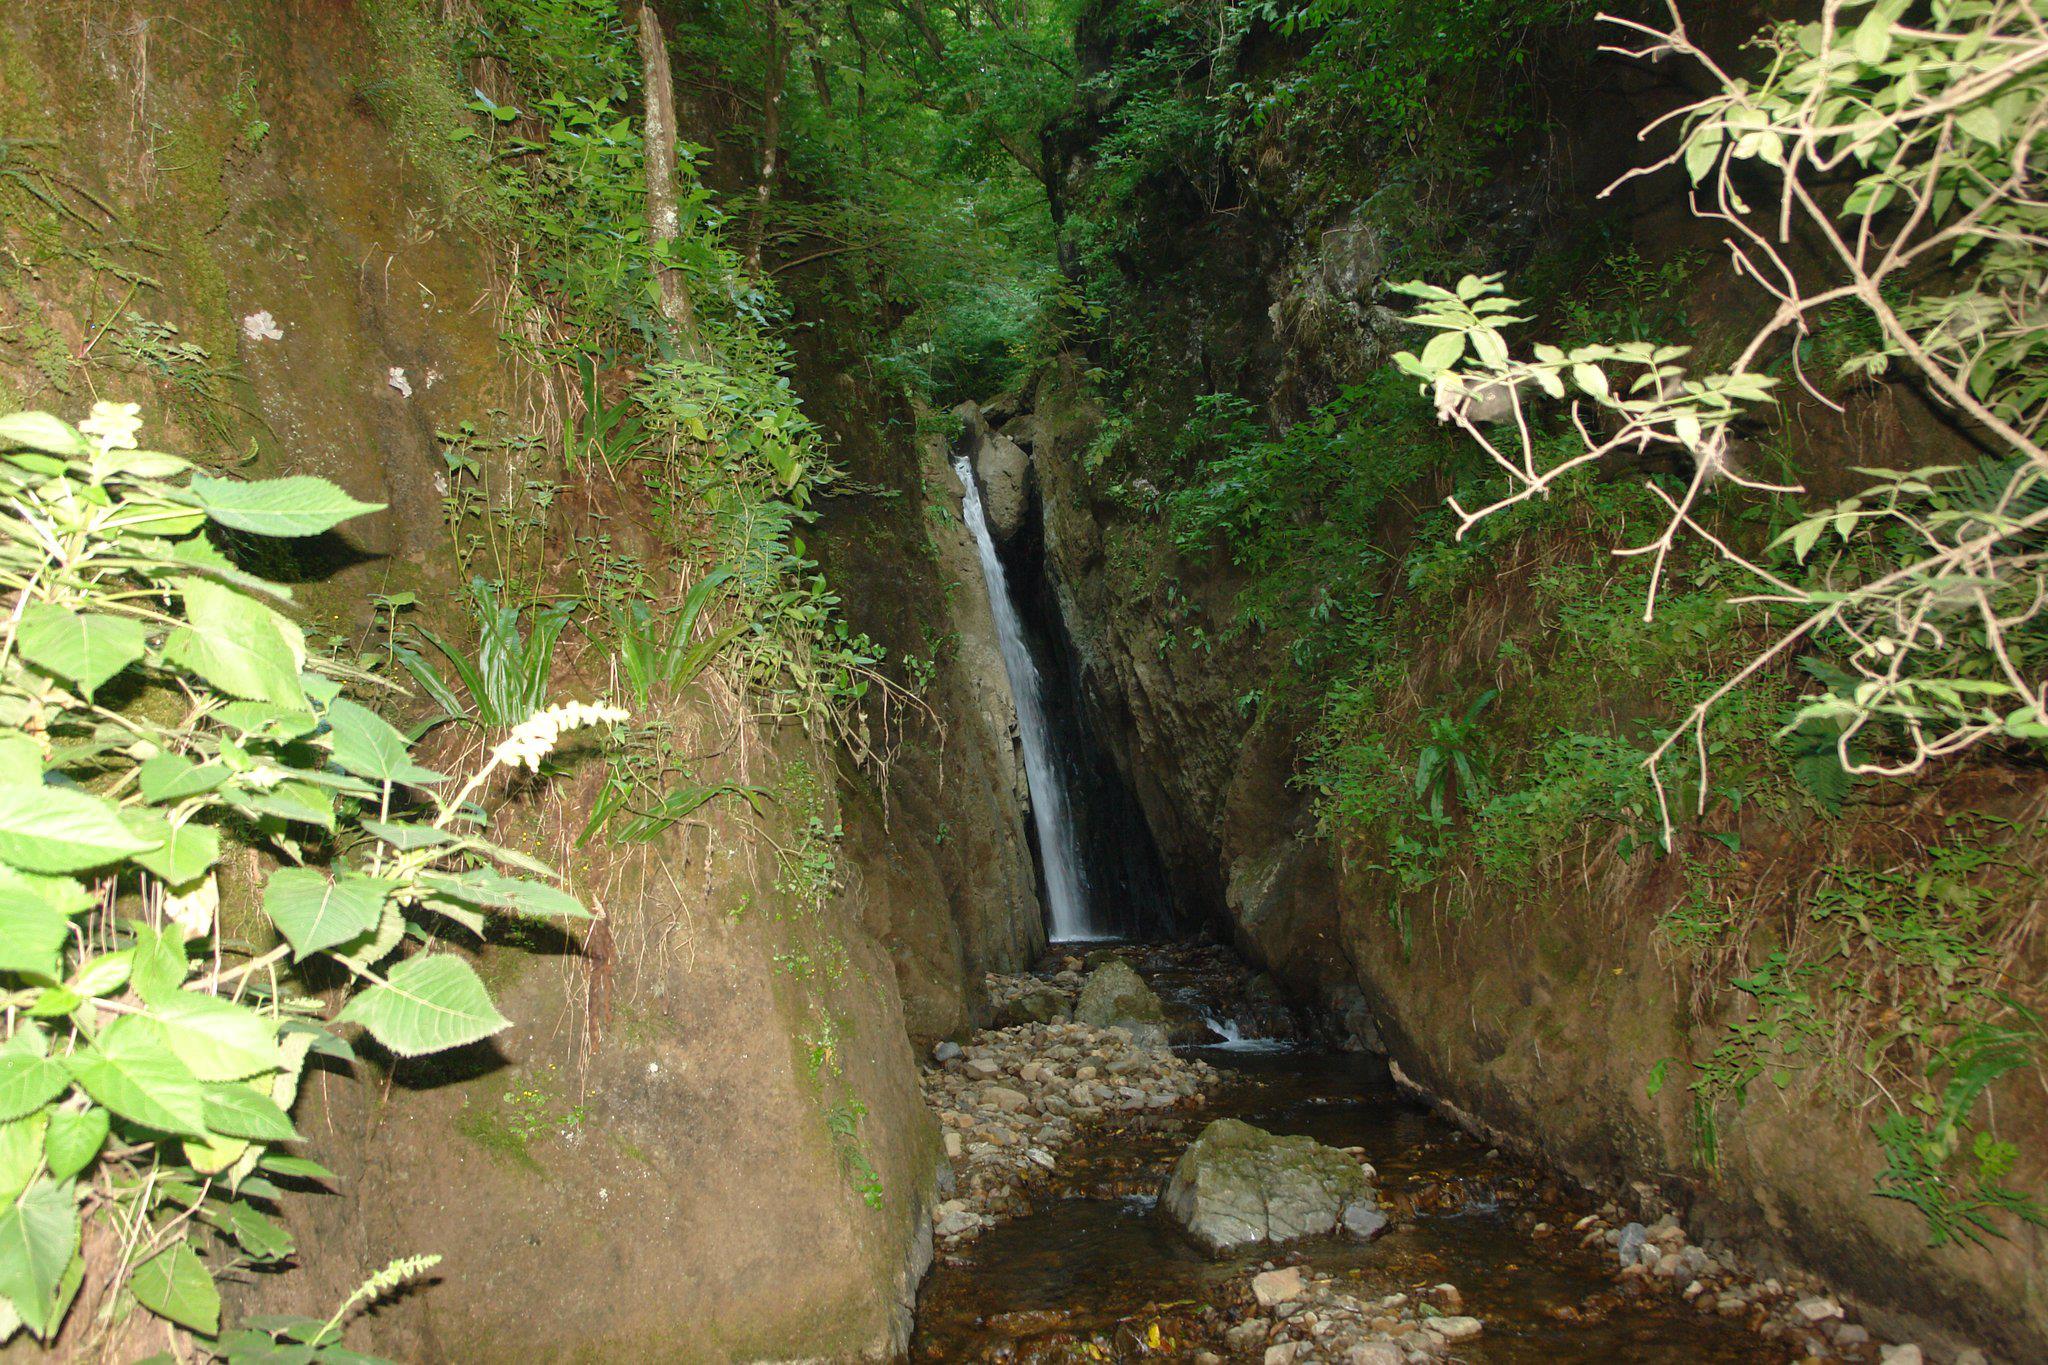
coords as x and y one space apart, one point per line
1066 895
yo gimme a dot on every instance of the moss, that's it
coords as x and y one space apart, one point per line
418 92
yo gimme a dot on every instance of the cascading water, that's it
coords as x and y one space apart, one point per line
1065 893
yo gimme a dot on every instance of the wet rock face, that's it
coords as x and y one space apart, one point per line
1239 1186
1003 469
1114 996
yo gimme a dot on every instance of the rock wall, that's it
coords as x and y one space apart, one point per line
703 1139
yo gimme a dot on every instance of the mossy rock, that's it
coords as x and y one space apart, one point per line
1238 1186
1114 996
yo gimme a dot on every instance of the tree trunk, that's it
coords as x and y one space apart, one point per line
771 134
664 222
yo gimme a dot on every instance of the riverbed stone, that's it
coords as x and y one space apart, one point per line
1114 996
1238 1186
1277 1286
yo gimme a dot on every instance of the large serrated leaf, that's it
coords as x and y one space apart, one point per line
490 888
174 777
367 745
239 1111
314 913
73 1140
131 1069
301 505
239 645
41 431
175 1284
427 1004
32 934
185 851
86 648
28 1082
38 1237
57 829
218 1040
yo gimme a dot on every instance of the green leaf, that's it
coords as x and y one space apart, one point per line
239 1111
86 648
427 1004
314 913
74 1140
38 1238
296 1167
217 1039
174 1284
102 976
256 1234
21 1154
289 800
28 1082
366 745
131 1069
41 431
32 934
238 644
408 837
301 505
486 886
174 777
186 850
1443 351
58 829
160 963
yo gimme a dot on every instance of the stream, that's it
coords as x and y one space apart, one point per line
1092 1273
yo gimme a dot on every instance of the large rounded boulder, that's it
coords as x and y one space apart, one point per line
1115 996
1239 1186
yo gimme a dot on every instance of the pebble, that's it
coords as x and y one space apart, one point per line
1906 1354
1010 1100
1454 1329
1277 1286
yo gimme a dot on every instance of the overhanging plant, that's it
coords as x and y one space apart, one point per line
157 705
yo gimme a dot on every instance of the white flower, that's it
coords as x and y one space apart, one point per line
193 911
395 377
260 326
534 738
113 425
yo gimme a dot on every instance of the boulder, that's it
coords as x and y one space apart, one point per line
1238 1186
1042 1006
1114 996
1001 467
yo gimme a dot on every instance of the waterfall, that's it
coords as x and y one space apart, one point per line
1066 896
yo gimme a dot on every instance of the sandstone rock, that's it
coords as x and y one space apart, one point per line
1904 1354
1817 1309
1283 1354
1002 1097
1454 1329
1115 997
1237 1185
1277 1286
983 1067
1376 1353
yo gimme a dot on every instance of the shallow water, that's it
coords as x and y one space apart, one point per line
1091 1271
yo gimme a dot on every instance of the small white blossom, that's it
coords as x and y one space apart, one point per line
193 911
395 377
534 738
260 326
113 425
433 378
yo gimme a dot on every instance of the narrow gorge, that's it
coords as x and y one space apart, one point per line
1353 681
